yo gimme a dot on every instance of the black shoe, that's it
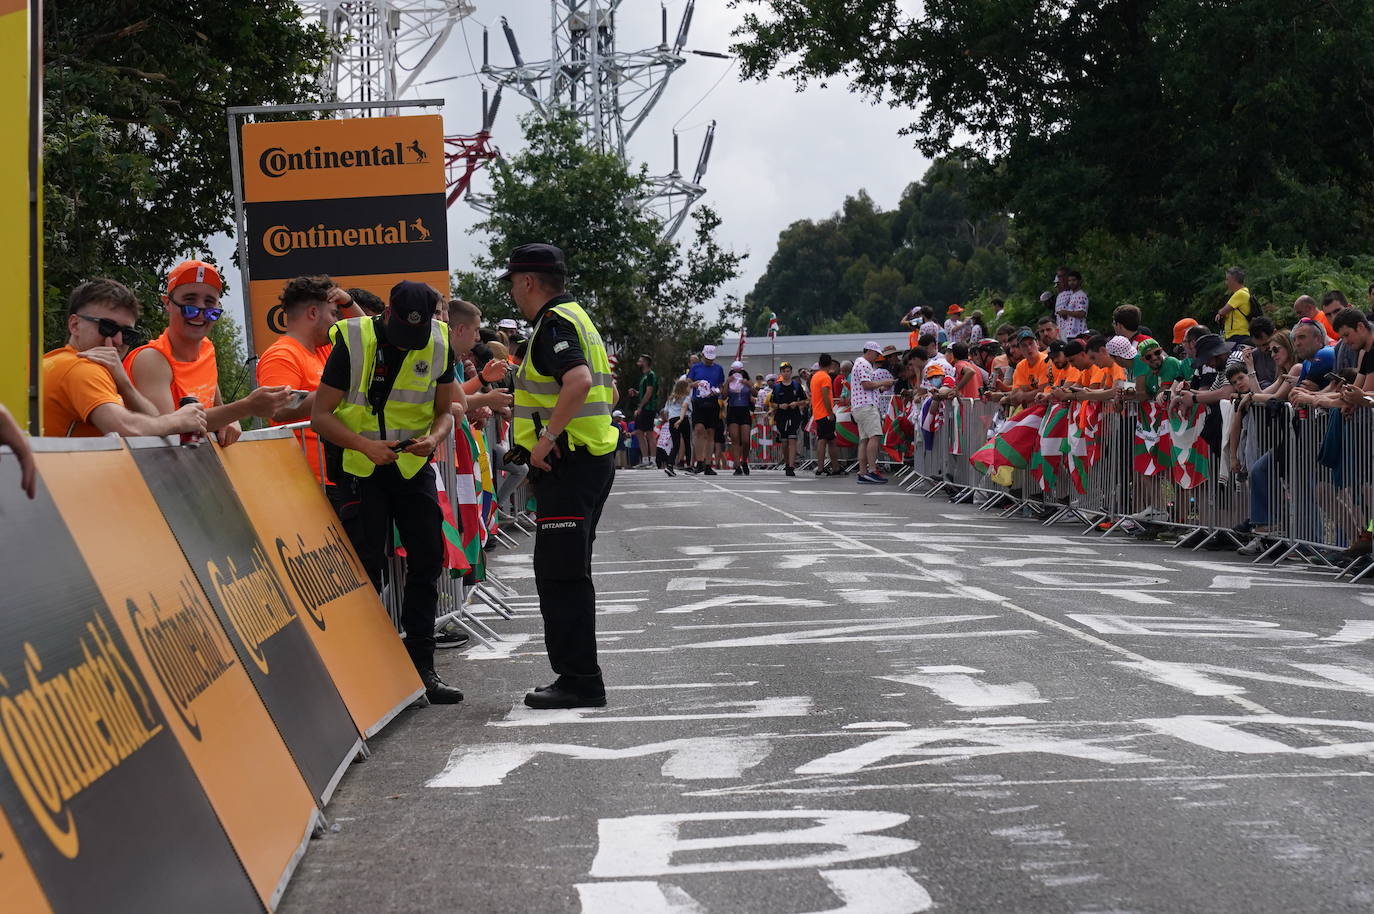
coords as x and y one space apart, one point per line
437 691
791 471
707 471
746 468
558 696
670 471
450 636
739 471
694 469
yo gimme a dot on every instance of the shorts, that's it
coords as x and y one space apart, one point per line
825 429
867 419
644 420
706 412
739 415
787 425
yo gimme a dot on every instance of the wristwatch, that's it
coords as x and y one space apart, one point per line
548 433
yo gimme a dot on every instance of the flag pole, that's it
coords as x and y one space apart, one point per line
772 353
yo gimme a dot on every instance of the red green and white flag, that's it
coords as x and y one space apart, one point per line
1055 445
1153 441
1016 446
772 325
956 426
1190 453
467 493
897 432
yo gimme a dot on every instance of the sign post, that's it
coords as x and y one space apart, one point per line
360 199
21 215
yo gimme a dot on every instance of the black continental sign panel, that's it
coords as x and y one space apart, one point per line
219 543
405 234
101 797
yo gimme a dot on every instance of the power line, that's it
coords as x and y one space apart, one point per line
708 92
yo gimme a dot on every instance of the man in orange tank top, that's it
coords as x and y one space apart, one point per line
181 362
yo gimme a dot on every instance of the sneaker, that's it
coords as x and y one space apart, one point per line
1150 515
865 479
707 471
746 468
1254 547
450 634
880 479
670 471
838 471
694 469
791 471
822 472
739 471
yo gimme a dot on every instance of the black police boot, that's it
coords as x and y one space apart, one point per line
557 695
437 691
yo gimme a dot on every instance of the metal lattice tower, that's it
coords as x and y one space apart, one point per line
611 91
385 44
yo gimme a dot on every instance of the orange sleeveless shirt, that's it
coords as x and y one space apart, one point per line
197 378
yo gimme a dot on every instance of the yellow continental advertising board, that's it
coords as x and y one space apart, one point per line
18 347
361 200
187 660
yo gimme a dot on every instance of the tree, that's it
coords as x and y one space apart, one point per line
870 266
136 157
644 294
1145 135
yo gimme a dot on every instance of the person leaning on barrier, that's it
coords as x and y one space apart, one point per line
296 359
86 391
181 362
384 398
563 427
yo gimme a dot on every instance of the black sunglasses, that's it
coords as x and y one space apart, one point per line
109 330
191 312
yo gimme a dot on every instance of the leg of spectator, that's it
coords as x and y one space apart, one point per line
1259 489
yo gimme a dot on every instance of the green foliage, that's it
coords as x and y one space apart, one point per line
644 294
1133 141
136 155
865 267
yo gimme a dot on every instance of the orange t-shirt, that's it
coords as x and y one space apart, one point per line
1031 375
73 388
1062 376
969 390
913 339
198 378
287 362
1322 319
820 381
1100 378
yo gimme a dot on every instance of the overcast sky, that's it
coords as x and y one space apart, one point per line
779 155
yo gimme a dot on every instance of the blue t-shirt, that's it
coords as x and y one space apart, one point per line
1318 368
713 375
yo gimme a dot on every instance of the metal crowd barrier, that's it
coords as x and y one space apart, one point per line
457 601
1293 472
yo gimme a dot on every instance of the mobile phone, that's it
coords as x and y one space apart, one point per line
402 445
297 398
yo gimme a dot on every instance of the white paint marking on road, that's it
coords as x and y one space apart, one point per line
646 845
659 505
500 650
1091 580
976 742
676 584
654 527
791 706
685 685
1223 734
958 686
1042 619
1051 560
639 896
1134 596
744 599
878 725
881 631
880 597
753 549
1192 677
692 759
1182 676
1041 782
1187 627
865 577
1355 631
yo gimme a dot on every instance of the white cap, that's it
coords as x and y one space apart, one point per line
508 323
736 364
708 352
872 345
617 415
1121 348
1046 296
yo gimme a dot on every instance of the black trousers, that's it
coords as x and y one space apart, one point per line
569 501
412 505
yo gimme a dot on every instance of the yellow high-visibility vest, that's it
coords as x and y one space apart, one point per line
409 410
536 393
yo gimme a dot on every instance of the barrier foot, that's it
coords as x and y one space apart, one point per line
363 754
1369 566
495 603
501 585
470 624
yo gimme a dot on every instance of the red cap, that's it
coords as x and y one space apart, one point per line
189 271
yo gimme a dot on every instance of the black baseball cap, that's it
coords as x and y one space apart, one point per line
535 258
410 313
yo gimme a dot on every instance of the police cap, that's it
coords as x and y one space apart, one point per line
535 258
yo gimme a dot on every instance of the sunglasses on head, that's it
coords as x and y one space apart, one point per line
109 329
191 312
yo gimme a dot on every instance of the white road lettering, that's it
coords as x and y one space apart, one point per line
882 890
958 686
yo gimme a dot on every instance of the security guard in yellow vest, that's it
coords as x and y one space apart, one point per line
384 397
562 416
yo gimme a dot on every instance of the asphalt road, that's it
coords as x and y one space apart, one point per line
828 697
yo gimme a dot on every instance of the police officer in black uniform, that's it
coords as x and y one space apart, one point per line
562 416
